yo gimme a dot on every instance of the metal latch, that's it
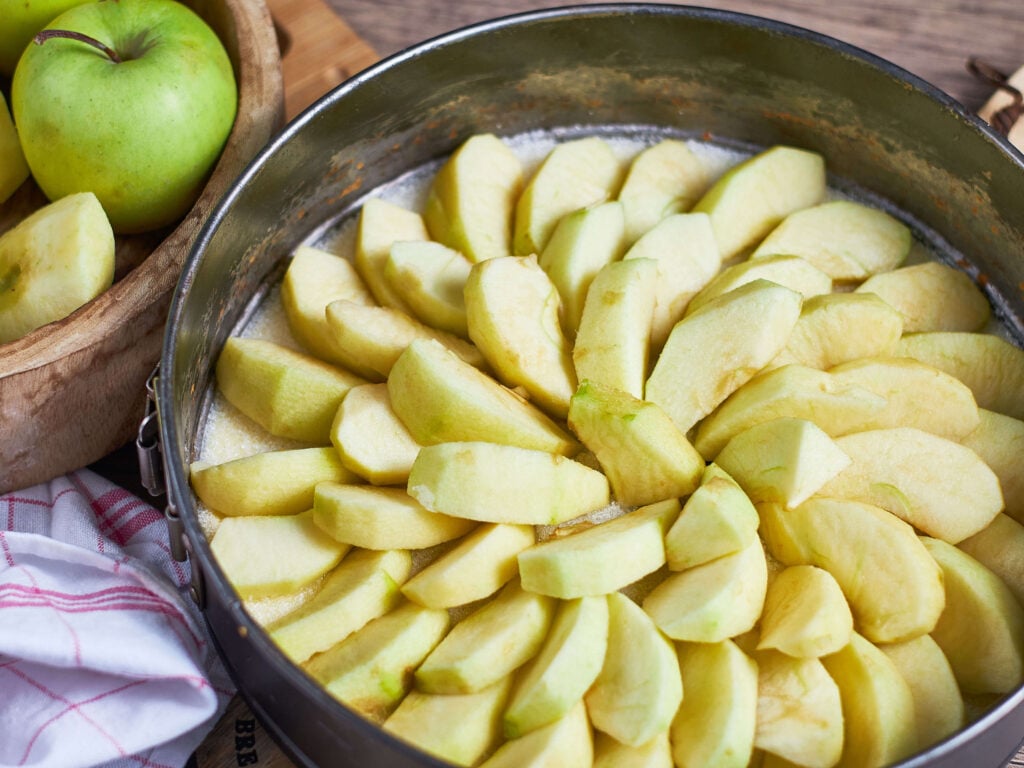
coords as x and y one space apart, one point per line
147 443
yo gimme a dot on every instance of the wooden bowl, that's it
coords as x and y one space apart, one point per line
74 390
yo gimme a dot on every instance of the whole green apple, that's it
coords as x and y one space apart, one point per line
22 19
132 100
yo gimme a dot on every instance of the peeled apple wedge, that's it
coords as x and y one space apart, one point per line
609 753
940 487
991 366
602 558
751 198
878 706
717 720
790 271
381 225
512 316
388 457
52 262
472 198
440 398
893 586
999 440
583 242
637 693
717 519
565 743
805 613
931 297
645 457
551 685
475 568
981 630
288 393
576 174
313 280
612 343
270 483
663 179
847 240
489 644
486 482
276 555
430 278
1000 548
13 168
363 587
687 382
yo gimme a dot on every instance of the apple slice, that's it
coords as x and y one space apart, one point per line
362 588
472 198
792 391
370 339
554 682
663 179
878 706
685 249
576 174
613 339
799 712
714 601
430 279
489 644
475 568
936 485
277 555
847 240
637 693
288 393
512 312
441 399
270 483
916 395
991 366
381 518
566 743
687 383
785 460
1000 548
793 272
893 587
381 225
999 441
13 168
602 558
752 197
939 709
716 723
931 297
52 262
835 328
717 519
981 630
609 753
424 720
486 482
645 457
313 280
370 439
805 613
371 670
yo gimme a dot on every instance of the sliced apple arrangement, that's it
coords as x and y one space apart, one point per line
615 464
129 101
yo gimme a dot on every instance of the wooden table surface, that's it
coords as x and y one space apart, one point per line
931 38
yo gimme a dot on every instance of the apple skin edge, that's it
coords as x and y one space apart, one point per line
142 134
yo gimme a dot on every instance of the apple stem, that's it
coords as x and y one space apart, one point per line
47 34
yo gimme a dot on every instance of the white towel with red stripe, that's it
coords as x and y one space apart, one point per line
104 661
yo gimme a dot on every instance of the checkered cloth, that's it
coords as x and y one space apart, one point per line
103 658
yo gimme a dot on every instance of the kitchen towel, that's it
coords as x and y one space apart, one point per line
104 660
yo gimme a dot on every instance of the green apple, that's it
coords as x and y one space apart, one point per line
386 458
805 613
791 271
663 179
117 118
21 22
999 440
381 225
13 168
53 262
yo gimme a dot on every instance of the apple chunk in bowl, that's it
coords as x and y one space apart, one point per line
741 510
